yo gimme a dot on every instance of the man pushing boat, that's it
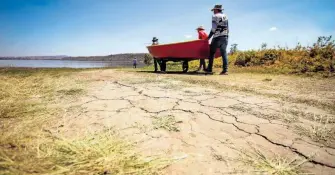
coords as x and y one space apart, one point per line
220 33
184 51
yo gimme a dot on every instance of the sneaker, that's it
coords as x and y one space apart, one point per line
224 73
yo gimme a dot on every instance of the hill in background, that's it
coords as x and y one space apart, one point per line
116 57
56 57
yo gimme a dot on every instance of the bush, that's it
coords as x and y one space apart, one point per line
265 57
244 58
318 58
148 59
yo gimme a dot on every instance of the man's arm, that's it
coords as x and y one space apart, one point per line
214 27
210 35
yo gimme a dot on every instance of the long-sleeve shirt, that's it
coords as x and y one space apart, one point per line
202 34
219 25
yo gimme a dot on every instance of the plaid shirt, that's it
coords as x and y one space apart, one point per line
220 25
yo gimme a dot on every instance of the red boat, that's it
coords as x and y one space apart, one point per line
182 51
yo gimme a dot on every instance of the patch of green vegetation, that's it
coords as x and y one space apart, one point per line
144 80
166 122
71 92
267 79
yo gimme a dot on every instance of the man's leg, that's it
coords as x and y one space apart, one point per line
223 50
163 66
199 66
202 64
155 64
212 50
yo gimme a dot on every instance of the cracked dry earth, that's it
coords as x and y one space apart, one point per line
215 126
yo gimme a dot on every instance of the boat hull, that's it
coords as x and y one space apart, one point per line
191 50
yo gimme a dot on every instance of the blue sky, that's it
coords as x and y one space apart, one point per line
102 27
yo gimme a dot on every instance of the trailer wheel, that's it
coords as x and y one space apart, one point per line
185 66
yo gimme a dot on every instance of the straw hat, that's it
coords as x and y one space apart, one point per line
217 7
200 28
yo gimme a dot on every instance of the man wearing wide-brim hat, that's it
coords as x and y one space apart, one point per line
154 41
219 32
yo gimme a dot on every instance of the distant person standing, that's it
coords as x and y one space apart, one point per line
202 35
220 33
134 63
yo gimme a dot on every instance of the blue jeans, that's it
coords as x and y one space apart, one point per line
219 42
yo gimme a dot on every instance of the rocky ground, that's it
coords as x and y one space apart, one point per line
213 124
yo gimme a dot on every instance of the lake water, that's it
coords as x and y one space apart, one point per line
64 64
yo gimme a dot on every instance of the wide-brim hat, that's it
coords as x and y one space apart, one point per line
200 28
154 39
217 7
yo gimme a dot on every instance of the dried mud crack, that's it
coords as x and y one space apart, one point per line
210 119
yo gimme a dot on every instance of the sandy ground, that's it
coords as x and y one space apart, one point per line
212 130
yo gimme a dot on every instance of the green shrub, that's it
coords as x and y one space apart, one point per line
318 58
244 58
148 59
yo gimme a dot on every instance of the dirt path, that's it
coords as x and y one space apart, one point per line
206 130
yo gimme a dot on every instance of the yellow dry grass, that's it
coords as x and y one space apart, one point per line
256 161
30 103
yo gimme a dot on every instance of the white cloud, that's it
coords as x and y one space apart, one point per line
273 29
188 36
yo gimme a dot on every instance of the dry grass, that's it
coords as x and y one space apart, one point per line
100 153
26 92
146 79
166 122
264 114
324 119
164 83
173 84
274 164
30 103
320 131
